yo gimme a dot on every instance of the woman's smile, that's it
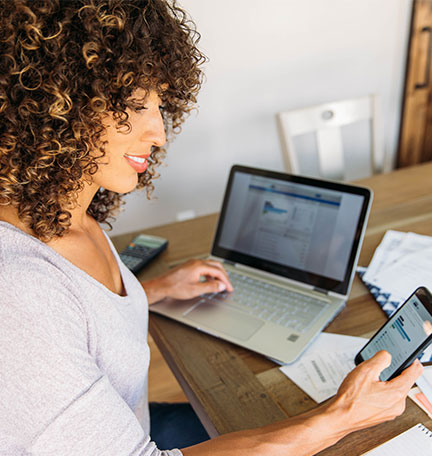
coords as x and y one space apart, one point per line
138 162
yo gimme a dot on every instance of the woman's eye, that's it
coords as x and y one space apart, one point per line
140 108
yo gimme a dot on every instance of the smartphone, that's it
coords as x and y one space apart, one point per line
405 335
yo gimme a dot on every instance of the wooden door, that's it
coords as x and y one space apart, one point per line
415 141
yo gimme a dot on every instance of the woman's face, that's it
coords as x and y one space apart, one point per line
126 153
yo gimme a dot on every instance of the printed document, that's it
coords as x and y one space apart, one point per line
400 264
322 368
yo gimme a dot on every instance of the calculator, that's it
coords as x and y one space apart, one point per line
142 250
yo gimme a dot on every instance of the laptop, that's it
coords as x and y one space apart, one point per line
290 245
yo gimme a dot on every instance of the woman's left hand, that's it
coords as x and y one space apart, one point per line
186 281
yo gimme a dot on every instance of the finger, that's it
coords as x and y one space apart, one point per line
408 377
215 273
215 263
377 363
219 265
209 286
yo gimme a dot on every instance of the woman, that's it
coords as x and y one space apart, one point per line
88 90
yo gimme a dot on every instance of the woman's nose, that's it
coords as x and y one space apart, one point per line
156 130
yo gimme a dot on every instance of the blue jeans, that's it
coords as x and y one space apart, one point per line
175 426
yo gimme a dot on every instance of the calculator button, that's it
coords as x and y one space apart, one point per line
130 262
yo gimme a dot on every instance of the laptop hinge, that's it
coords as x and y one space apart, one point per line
231 263
321 290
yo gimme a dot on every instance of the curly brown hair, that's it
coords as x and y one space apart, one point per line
63 64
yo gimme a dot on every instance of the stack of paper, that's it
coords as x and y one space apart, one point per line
401 263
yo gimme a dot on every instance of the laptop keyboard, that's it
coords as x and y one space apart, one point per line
271 303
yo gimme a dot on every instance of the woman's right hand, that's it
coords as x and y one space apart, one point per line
362 401
365 400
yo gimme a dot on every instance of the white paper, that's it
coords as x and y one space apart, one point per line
416 441
411 242
424 382
394 247
322 368
402 277
389 244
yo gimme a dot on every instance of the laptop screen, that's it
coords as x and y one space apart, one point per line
301 228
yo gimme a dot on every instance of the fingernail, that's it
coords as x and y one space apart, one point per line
222 286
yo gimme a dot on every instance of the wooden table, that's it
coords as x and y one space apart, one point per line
232 388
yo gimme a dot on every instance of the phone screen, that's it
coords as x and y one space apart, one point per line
402 335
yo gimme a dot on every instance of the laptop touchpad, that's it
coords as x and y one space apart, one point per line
225 320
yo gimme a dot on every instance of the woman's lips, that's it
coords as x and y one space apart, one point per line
138 162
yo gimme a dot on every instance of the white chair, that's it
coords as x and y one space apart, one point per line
339 140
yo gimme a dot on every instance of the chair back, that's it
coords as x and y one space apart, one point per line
338 140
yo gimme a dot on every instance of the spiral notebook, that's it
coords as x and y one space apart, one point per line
415 441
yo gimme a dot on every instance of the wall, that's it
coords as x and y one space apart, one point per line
267 57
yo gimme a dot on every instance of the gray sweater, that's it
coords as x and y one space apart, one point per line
73 357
